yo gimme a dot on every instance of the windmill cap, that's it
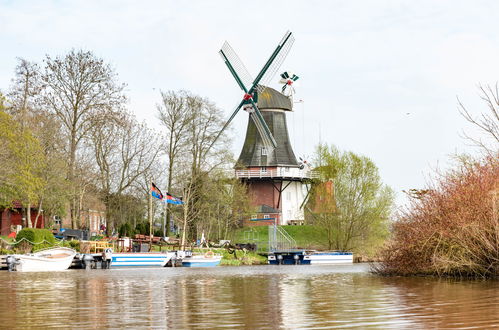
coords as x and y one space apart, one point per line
272 99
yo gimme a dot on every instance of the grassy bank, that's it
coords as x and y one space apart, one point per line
306 237
239 258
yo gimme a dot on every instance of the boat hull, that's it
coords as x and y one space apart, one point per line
140 259
201 261
56 259
310 258
328 258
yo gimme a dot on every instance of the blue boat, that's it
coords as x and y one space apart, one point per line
147 259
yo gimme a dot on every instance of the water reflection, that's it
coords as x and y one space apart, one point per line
243 297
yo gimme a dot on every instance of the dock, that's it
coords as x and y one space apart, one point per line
3 262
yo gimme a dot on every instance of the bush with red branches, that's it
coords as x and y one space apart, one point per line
450 229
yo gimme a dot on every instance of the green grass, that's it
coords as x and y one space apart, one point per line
306 237
243 258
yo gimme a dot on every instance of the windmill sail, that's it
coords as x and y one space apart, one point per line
230 57
267 138
243 79
276 60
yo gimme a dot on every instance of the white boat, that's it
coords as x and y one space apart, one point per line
297 257
327 258
53 259
136 259
208 259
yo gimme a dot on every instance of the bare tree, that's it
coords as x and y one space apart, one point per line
175 117
78 87
24 91
124 151
488 123
207 121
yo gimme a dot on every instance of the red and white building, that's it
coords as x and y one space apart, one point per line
277 182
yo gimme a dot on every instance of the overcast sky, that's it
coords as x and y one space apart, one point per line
379 78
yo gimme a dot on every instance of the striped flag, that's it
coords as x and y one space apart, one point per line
172 199
155 192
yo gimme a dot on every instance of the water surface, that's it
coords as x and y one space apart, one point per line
266 297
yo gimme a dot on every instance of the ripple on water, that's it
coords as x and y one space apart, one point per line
243 297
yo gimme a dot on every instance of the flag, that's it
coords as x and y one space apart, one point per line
155 192
172 199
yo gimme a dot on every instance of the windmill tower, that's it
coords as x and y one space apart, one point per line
267 163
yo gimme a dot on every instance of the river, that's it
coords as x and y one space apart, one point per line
251 297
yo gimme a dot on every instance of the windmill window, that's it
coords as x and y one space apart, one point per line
266 216
264 151
263 169
253 216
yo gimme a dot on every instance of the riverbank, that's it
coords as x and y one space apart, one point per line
237 257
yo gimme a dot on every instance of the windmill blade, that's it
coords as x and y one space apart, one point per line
234 113
236 66
267 140
274 62
267 137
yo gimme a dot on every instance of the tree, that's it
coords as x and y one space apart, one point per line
25 107
21 176
25 89
192 123
225 202
488 123
79 87
124 151
175 117
355 209
204 158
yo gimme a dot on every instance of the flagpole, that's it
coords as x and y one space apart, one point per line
150 217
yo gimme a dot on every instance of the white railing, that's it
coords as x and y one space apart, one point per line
279 172
280 240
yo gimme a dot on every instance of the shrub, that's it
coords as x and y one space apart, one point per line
37 238
142 228
126 229
451 228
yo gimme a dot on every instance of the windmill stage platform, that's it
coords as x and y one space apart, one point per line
286 173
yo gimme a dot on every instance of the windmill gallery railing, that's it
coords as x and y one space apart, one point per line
280 172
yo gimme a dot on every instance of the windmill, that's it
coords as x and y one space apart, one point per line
253 87
267 163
